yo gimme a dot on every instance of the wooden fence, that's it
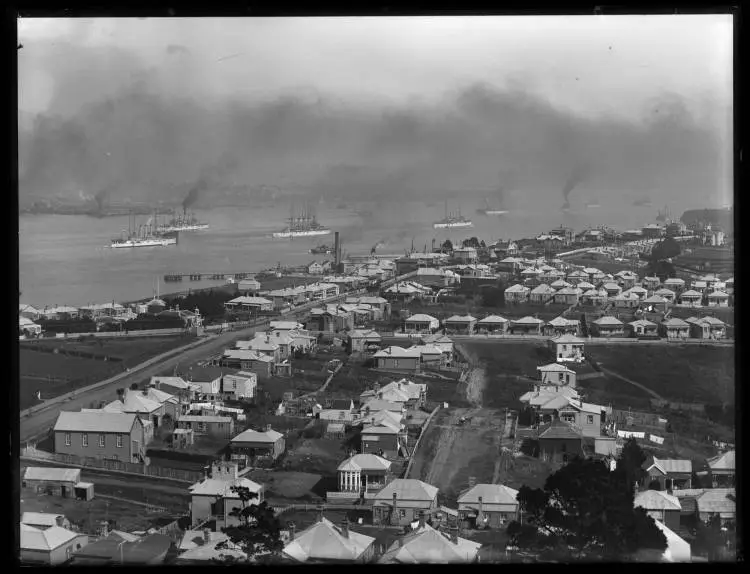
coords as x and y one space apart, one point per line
416 444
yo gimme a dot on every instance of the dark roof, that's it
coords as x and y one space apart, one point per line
341 404
146 549
558 429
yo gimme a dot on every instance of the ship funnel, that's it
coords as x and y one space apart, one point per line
336 249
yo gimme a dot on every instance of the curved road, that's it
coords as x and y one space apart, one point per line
39 423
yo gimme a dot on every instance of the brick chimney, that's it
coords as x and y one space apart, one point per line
206 536
345 527
480 506
320 514
292 530
394 512
421 519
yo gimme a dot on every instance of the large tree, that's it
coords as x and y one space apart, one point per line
629 464
258 533
584 512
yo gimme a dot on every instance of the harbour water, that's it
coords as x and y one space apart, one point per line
67 260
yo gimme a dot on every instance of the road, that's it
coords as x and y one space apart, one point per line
39 423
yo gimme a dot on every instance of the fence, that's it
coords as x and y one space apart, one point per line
151 508
118 466
416 444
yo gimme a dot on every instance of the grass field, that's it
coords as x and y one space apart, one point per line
57 373
604 390
283 486
318 455
686 373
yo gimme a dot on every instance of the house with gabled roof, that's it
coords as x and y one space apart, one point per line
51 546
363 340
492 324
585 286
668 473
655 303
556 374
625 301
674 328
29 312
612 289
327 543
252 445
691 298
640 328
587 417
594 297
608 327
398 359
526 326
213 498
460 325
718 299
421 323
717 502
667 294
707 328
488 505
363 474
626 279
402 500
566 347
651 283
660 505
561 326
567 296
541 294
675 284
516 293
383 434
559 440
427 545
577 276
101 434
722 469
638 291
560 284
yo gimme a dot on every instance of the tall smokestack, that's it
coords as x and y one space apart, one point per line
336 249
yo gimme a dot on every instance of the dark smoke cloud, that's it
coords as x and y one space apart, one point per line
577 175
360 152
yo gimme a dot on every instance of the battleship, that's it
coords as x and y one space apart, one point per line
304 224
451 221
184 222
144 236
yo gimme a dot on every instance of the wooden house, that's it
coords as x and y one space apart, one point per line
492 324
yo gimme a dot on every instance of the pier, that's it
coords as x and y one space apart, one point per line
176 277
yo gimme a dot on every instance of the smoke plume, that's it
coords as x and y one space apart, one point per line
577 175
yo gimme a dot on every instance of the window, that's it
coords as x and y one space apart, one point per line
403 513
119 441
565 347
560 377
67 439
590 419
101 440
395 363
84 439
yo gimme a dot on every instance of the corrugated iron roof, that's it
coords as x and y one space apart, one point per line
94 422
656 500
52 474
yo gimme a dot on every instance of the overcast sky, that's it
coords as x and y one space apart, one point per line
590 64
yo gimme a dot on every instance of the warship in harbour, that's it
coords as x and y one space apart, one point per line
303 224
184 222
148 235
451 220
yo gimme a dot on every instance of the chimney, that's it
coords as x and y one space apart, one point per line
421 519
395 504
59 520
480 506
268 427
454 534
206 536
345 528
320 514
292 530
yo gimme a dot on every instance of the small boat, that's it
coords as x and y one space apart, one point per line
322 250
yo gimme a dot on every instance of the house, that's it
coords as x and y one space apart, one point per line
326 543
213 499
248 286
60 313
674 328
729 285
608 327
561 326
577 276
594 297
655 304
526 326
43 520
492 325
63 482
363 473
430 355
213 551
401 502
638 291
516 294
585 286
674 284
432 277
465 254
378 403
717 299
383 435
363 340
530 272
700 286
138 402
460 325
252 444
668 474
691 298
640 328
398 359
248 304
586 417
28 328
559 439
661 506
567 296
426 545
421 323
707 328
488 505
612 289
667 294
120 548
314 268
722 469
560 284
207 379
626 279
239 386
625 301
717 502
541 294
264 345
557 374
546 400
651 283
51 546
415 393
567 348
211 425
100 435
406 291
29 312
442 342
338 410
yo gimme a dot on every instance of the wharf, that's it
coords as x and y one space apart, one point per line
238 276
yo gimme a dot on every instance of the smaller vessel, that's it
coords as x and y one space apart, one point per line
452 221
322 250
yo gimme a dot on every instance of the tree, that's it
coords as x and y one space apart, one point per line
258 533
584 512
665 249
446 246
629 465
